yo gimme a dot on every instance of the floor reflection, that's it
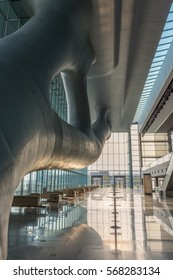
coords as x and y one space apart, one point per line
106 224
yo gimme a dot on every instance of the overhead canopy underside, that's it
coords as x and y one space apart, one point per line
125 35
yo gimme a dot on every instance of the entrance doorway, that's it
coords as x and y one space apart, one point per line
120 181
97 180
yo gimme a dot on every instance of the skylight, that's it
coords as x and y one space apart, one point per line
161 52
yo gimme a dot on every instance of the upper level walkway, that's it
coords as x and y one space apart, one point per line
162 168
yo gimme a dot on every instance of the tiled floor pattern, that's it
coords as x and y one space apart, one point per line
106 224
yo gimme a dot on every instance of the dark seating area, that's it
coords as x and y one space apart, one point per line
50 199
26 201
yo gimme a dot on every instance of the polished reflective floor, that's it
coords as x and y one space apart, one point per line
105 224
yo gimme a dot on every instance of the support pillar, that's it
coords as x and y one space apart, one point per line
156 182
147 184
130 160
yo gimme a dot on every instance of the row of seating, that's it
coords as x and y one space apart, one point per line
57 196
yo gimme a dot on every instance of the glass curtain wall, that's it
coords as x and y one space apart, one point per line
120 157
113 163
12 17
116 162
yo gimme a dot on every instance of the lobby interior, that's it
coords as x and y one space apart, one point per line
121 206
